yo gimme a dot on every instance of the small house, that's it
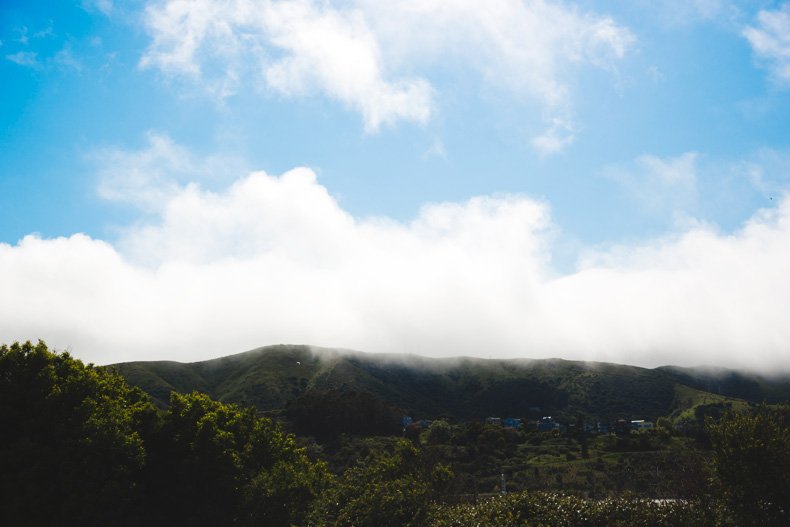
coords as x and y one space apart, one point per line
641 424
548 424
621 426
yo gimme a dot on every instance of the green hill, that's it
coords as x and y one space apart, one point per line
730 383
461 388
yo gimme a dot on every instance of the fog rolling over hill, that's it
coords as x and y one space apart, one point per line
462 388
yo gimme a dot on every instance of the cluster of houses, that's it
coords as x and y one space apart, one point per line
549 424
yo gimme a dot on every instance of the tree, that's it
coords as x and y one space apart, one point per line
78 446
219 464
752 464
70 447
439 433
392 490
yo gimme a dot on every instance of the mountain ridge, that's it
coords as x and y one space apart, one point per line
271 377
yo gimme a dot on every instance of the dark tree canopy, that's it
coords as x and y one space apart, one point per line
389 490
327 414
78 446
70 442
752 464
215 464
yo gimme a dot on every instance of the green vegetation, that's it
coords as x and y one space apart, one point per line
326 415
752 465
692 404
80 446
652 464
210 461
560 510
71 442
389 490
461 389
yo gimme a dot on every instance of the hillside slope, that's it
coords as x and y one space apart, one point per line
462 388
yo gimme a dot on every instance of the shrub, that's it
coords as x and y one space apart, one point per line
559 510
752 465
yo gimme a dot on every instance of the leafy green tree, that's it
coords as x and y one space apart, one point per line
219 464
439 433
664 423
70 447
78 446
752 465
392 490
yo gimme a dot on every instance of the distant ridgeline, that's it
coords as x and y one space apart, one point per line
277 378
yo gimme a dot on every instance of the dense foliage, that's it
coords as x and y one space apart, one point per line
558 510
752 465
327 414
78 445
389 490
214 464
70 440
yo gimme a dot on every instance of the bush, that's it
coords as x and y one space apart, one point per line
558 510
752 465
391 490
439 433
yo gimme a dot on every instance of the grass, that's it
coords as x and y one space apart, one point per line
689 400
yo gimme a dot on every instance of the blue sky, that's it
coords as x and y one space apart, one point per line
593 180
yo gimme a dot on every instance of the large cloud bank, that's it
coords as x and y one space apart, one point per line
276 259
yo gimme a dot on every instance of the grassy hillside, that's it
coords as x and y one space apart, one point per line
740 385
690 403
462 388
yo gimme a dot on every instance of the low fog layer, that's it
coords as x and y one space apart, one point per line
277 260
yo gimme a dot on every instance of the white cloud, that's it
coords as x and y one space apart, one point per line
337 52
146 178
679 171
436 150
276 259
294 47
768 171
65 59
559 135
770 40
150 177
24 58
661 184
105 7
377 57
23 35
685 13
518 46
